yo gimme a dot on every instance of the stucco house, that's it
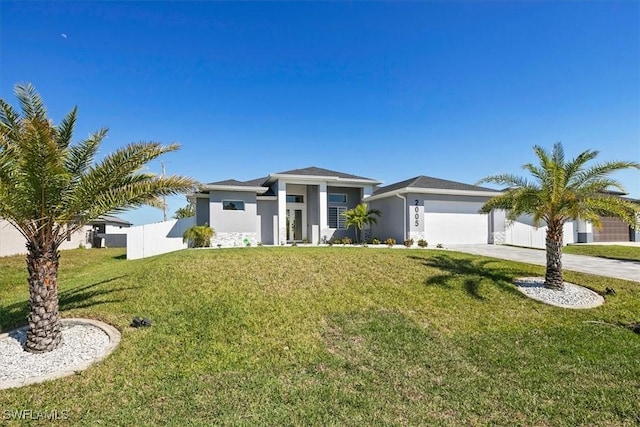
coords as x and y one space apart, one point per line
295 205
109 231
14 243
307 205
105 231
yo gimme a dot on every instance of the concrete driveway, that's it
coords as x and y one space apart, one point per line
626 270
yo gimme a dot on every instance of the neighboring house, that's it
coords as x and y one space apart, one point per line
612 230
436 210
109 231
291 206
13 243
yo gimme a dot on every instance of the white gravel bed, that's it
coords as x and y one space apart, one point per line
573 296
83 344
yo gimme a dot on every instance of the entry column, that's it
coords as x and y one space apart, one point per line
322 205
282 213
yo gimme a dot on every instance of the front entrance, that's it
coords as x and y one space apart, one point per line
296 223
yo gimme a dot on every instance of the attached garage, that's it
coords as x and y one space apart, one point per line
436 210
454 222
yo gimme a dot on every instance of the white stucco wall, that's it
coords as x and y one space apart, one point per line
233 221
13 243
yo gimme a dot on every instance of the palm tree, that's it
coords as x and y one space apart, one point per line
560 191
50 188
185 212
199 236
359 216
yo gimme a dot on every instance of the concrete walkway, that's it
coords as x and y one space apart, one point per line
626 270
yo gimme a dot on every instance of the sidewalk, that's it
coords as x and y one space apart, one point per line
626 270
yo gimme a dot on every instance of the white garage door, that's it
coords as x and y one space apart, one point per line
455 223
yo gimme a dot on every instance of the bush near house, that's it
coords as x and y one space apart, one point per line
390 241
423 243
199 236
408 243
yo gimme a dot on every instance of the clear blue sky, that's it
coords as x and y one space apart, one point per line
455 90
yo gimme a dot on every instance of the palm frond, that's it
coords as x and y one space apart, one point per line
578 163
64 131
505 179
601 170
134 194
80 156
30 102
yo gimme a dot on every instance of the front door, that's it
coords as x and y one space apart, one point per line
296 227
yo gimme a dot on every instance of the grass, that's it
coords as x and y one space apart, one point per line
326 336
620 252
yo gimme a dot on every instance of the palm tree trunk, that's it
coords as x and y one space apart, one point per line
44 332
553 277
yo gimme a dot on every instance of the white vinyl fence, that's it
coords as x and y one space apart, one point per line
159 238
522 234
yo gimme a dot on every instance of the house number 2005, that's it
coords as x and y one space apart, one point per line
417 214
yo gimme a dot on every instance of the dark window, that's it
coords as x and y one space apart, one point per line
336 217
337 198
232 205
294 198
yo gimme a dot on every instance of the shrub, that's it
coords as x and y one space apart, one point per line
337 241
423 243
305 241
375 241
440 246
390 241
346 241
199 236
408 243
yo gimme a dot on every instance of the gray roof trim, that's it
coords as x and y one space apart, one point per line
110 219
428 182
319 174
235 187
429 185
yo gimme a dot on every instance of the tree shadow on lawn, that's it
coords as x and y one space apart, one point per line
80 297
472 271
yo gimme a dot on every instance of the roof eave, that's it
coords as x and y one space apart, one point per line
277 176
252 189
434 191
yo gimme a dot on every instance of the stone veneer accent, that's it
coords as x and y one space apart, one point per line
234 239
499 237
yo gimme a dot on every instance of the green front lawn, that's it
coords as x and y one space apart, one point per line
326 336
623 253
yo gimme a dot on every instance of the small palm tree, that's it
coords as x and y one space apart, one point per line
560 191
199 236
50 188
359 216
